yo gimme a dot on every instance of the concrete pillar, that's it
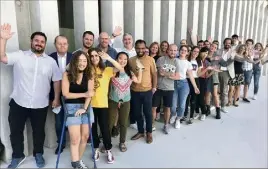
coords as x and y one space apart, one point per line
168 20
86 18
243 18
211 18
265 25
181 15
44 17
263 22
233 16
192 20
256 31
219 22
253 13
238 22
112 15
8 15
249 17
226 18
152 15
260 19
202 19
133 24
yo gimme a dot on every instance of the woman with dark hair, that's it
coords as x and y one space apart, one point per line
119 96
78 88
102 76
181 89
163 48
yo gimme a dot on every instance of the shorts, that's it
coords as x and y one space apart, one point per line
167 96
248 76
237 80
83 119
215 78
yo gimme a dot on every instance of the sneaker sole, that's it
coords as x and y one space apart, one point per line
110 162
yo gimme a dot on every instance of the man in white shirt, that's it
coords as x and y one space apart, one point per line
62 58
33 71
128 45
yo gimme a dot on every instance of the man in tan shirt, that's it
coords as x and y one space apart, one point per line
141 94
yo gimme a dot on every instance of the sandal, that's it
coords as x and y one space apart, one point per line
122 147
228 104
235 104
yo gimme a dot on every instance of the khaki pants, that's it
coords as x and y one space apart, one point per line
123 114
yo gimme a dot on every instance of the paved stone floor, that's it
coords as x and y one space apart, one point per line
239 139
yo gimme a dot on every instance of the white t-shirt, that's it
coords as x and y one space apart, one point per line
184 66
195 68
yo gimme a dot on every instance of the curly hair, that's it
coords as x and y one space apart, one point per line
73 69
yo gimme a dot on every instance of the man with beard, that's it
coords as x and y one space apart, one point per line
226 72
62 58
33 71
87 40
141 94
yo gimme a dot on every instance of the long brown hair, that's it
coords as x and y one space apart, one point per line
73 70
157 44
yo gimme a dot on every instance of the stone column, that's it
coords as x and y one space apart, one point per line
238 22
211 19
134 18
260 19
253 14
219 22
152 15
192 20
181 15
86 18
233 15
168 20
226 18
202 19
8 15
243 18
249 15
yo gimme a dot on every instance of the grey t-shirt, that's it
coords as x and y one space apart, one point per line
170 66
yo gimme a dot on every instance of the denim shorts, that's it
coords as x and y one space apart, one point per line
248 76
83 119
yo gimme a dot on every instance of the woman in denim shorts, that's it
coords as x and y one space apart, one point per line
78 88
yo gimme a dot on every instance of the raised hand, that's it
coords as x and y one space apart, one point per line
104 55
6 31
117 31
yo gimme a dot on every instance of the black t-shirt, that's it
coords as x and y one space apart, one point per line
238 67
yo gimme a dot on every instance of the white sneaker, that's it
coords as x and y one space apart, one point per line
254 97
83 164
203 117
157 116
172 119
97 154
134 126
224 110
196 116
177 124
110 157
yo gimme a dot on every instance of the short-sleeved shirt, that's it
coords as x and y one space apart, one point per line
169 65
184 66
147 74
120 88
195 68
130 53
100 99
32 78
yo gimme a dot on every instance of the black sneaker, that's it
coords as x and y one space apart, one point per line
218 113
61 150
114 131
190 121
77 165
183 119
246 100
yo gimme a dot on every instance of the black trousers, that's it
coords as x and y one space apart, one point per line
17 119
101 117
201 97
191 99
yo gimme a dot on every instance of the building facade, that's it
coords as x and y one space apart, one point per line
151 20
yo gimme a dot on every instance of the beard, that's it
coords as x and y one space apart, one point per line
38 51
140 54
86 46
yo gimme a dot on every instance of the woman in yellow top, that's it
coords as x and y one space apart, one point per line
99 102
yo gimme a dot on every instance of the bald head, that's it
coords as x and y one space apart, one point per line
104 39
172 50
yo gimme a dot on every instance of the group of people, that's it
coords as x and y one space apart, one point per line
108 88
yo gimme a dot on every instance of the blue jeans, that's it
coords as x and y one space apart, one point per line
256 75
143 100
179 97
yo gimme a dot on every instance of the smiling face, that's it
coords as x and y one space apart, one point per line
82 63
154 49
164 47
122 59
38 44
127 41
61 44
172 51
94 58
104 40
88 41
195 53
203 55
213 47
140 49
183 51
